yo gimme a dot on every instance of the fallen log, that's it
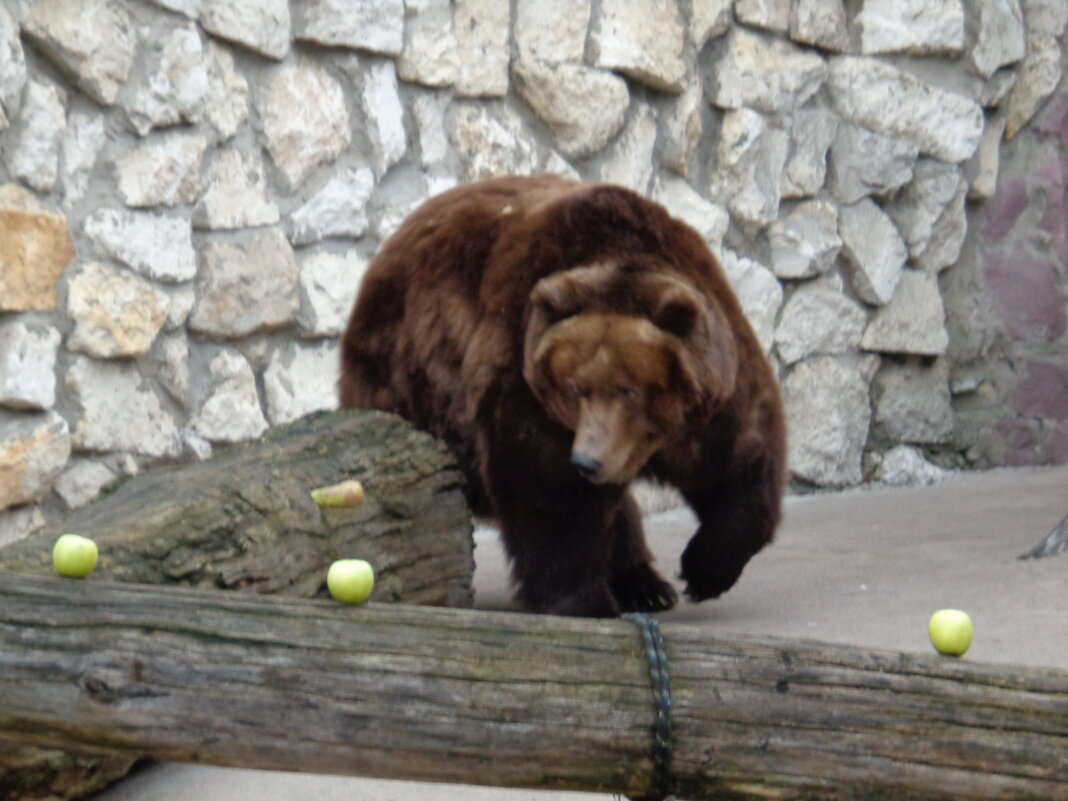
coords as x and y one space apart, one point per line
404 692
245 520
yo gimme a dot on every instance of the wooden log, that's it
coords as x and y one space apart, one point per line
511 700
244 519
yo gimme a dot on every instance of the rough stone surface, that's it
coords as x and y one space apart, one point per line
93 40
866 163
299 143
684 202
981 172
33 450
918 27
912 403
805 243
260 25
162 171
82 143
818 320
119 411
27 364
551 31
759 293
643 39
905 466
430 55
811 136
245 286
115 314
34 160
493 145
235 193
629 160
752 157
339 209
328 285
172 355
930 214
895 103
584 107
231 412
82 481
384 113
375 25
683 131
913 322
821 23
999 34
12 67
1040 73
227 93
1046 16
873 249
301 380
773 15
709 19
174 92
766 74
1027 296
482 47
157 246
828 415
35 249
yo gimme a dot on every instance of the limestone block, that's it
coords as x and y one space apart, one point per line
19 522
873 249
383 113
92 40
246 285
12 66
338 209
300 380
82 481
998 88
172 358
431 54
35 249
643 39
173 92
33 450
119 411
759 293
683 202
805 243
981 172
999 34
918 27
27 364
189 8
162 170
483 47
629 159
752 157
305 119
116 314
551 31
904 466
231 411
913 322
226 101
235 195
821 23
34 158
261 25
811 136
818 320
773 15
897 104
709 19
328 286
1046 16
492 145
428 110
912 402
866 163
584 107
157 246
770 75
930 214
82 142
1040 73
375 25
682 130
828 414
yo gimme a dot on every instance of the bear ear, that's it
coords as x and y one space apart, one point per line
678 312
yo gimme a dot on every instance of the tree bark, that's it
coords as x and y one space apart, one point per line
244 519
502 699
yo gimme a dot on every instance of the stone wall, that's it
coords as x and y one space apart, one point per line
191 189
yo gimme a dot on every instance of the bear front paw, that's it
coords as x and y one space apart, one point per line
642 589
709 575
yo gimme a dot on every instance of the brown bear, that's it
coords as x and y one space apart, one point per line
562 339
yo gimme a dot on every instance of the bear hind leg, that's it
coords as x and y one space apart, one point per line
634 582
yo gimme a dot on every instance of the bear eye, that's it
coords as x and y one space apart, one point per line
627 393
573 389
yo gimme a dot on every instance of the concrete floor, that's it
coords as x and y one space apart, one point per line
863 567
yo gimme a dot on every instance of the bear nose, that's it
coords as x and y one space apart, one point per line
586 465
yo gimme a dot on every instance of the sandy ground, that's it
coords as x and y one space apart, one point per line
863 567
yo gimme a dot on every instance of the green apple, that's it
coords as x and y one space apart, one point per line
350 580
74 556
950 631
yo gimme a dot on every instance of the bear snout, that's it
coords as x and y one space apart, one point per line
588 466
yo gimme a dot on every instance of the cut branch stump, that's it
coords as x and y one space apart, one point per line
501 699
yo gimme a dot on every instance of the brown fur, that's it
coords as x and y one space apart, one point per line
563 338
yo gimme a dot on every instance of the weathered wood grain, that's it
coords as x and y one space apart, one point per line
511 700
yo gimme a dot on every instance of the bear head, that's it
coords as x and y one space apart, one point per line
625 357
